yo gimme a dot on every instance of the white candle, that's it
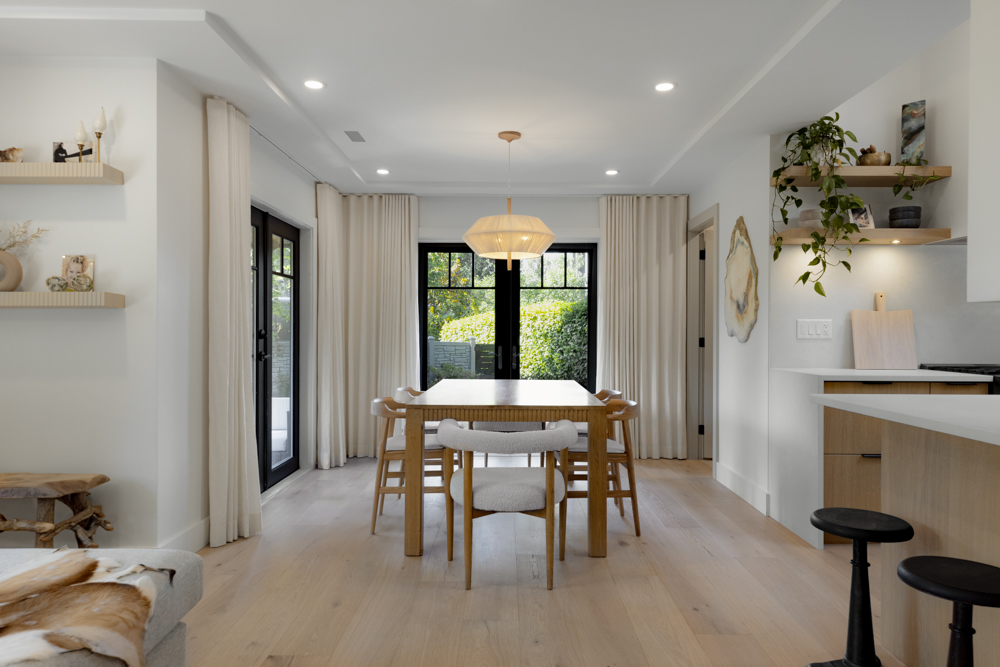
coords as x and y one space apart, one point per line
81 134
100 123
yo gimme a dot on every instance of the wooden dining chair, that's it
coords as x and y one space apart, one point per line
485 491
393 448
619 454
407 394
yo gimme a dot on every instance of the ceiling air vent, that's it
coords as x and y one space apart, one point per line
355 136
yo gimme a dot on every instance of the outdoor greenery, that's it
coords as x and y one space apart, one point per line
553 338
822 147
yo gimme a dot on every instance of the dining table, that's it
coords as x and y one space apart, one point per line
506 401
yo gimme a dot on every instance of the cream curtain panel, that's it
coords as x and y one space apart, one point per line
368 326
641 315
234 482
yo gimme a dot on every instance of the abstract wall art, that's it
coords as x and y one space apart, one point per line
741 284
911 144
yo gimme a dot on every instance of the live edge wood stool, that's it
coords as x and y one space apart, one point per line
46 489
862 527
965 583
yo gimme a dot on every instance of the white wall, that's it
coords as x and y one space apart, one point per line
78 387
984 169
182 308
570 218
741 459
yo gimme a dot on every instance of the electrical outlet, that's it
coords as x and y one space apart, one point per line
814 329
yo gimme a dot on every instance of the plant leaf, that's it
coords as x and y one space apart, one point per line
819 288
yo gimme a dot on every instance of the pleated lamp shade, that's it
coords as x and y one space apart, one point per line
509 237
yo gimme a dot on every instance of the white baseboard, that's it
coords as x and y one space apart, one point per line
743 487
193 539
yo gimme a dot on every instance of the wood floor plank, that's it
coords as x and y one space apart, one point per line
711 582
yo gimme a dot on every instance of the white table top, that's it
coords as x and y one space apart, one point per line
973 417
852 375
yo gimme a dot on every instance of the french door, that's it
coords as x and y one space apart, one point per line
536 321
275 270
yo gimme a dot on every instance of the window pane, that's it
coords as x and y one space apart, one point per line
531 271
555 263
453 317
461 269
576 269
486 272
553 334
437 269
282 371
288 257
276 253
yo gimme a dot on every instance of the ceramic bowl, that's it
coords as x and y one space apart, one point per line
875 159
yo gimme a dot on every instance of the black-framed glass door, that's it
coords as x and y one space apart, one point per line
275 271
536 321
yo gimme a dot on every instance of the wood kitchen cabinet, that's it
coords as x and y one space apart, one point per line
966 388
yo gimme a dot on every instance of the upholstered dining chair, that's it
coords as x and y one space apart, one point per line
407 394
393 448
506 427
619 454
485 491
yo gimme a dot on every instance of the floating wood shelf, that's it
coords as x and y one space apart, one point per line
880 236
865 177
61 300
60 173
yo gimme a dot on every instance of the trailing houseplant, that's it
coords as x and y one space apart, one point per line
915 183
822 147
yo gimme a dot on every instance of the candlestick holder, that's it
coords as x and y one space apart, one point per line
81 152
98 134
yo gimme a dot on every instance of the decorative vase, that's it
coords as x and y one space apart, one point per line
811 218
875 159
12 272
904 217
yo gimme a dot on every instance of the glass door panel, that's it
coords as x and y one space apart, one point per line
282 350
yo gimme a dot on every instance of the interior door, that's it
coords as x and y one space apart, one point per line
276 318
535 321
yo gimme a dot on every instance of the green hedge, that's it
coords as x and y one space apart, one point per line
553 338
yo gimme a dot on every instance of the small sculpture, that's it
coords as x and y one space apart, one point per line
80 283
12 155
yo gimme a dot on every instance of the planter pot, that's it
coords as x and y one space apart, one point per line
904 212
905 223
12 272
810 218
875 159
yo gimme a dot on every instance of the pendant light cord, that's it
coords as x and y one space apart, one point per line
508 170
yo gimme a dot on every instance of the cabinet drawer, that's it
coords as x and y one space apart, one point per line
851 481
959 388
850 433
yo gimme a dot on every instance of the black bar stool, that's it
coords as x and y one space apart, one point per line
861 526
965 583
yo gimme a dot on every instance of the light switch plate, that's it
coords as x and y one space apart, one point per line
814 329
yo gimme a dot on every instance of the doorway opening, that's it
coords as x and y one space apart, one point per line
537 321
275 270
701 263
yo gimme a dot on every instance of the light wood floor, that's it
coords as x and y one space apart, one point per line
711 582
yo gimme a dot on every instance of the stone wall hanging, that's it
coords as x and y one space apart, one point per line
741 284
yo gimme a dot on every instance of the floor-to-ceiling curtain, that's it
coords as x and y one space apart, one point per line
234 482
641 315
368 258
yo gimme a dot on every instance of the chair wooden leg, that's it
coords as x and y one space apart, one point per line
616 484
467 516
449 502
402 477
564 462
385 482
378 485
612 474
550 510
631 488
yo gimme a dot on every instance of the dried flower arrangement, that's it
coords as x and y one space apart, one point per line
18 237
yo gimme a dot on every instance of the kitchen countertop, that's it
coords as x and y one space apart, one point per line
852 375
971 417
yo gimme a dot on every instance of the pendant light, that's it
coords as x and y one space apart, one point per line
509 236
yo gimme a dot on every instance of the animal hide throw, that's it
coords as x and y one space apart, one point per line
70 601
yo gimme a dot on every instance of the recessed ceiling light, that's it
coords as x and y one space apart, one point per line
896 241
315 85
663 87
611 172
382 171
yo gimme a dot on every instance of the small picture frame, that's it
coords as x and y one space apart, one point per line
863 217
78 272
67 151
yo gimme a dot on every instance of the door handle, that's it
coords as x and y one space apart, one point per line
261 356
871 456
500 357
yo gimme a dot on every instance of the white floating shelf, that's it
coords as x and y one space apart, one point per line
60 173
61 300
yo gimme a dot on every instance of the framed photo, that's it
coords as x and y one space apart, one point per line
78 272
863 217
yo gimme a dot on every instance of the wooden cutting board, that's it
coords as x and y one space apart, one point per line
883 339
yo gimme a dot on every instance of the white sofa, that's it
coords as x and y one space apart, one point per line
165 643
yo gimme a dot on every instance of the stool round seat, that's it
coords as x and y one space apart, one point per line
858 524
953 579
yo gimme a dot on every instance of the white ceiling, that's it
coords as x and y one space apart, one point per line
429 84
